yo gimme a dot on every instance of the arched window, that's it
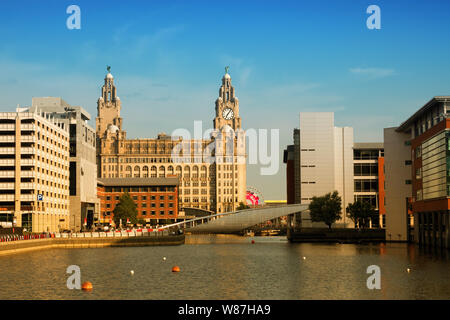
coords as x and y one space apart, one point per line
153 172
162 172
128 172
187 171
178 171
195 171
137 172
170 170
145 172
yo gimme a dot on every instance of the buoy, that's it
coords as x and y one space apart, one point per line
132 272
409 270
176 269
86 286
253 241
304 258
164 258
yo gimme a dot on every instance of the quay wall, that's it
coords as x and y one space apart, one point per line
50 243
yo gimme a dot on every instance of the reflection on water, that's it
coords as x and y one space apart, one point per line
230 267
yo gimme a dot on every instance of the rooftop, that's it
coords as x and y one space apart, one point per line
368 145
405 125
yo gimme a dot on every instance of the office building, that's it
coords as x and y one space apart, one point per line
84 206
417 161
320 162
34 171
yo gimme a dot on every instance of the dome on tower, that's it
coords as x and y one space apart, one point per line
227 76
109 76
112 128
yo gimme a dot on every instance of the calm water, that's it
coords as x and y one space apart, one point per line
230 267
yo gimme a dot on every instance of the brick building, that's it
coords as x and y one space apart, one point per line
156 198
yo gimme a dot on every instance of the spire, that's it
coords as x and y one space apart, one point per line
226 91
109 89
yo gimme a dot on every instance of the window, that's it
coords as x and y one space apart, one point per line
419 173
407 181
408 162
418 152
407 143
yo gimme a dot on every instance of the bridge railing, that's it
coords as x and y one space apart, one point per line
220 215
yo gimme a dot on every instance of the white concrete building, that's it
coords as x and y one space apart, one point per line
34 171
326 161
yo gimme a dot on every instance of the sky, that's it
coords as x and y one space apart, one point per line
285 57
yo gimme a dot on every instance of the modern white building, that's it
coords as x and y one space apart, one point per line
326 161
34 171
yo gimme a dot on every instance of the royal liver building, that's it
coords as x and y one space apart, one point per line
212 172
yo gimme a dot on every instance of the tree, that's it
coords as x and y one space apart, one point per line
326 208
125 209
242 206
360 212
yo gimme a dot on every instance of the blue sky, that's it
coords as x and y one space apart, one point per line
285 57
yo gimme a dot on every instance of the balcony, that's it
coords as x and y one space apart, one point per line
28 127
27 139
7 186
9 150
10 139
27 197
7 162
6 197
26 162
28 174
7 174
27 185
7 127
26 150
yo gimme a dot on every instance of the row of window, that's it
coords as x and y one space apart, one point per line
144 205
147 213
140 189
142 198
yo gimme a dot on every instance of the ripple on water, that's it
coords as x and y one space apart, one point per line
229 267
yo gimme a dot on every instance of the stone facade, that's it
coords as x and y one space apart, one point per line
216 184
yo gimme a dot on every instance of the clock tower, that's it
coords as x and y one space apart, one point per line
108 107
227 105
229 139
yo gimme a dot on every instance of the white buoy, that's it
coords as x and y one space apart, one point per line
409 270
132 272
304 258
164 258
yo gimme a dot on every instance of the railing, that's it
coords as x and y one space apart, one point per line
107 234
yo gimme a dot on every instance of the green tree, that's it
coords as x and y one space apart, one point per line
242 206
125 209
326 208
360 212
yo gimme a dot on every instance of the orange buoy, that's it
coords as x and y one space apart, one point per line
253 241
176 269
86 286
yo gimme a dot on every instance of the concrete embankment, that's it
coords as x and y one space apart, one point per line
50 243
336 235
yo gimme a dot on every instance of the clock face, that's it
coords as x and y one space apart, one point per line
227 114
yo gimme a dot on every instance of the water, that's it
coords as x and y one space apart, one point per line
230 267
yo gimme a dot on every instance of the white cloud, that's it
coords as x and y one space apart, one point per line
373 72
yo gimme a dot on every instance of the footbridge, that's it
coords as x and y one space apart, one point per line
231 222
